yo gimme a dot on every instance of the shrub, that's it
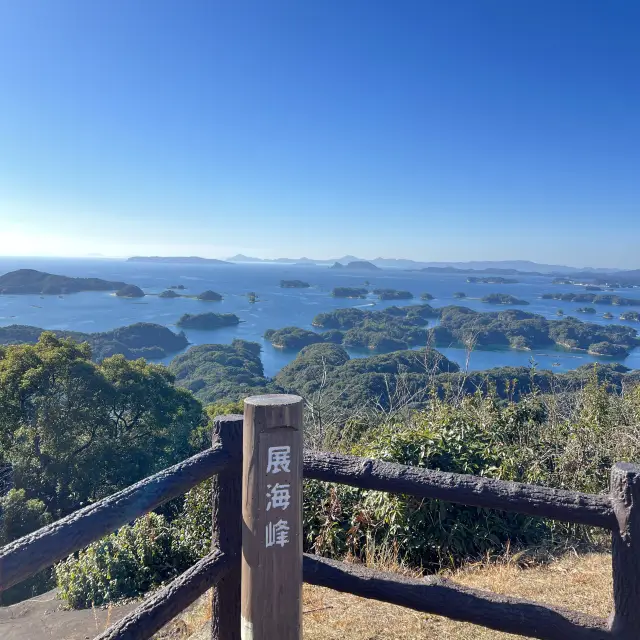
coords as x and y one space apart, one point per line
125 564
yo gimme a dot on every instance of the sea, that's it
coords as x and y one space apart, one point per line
276 307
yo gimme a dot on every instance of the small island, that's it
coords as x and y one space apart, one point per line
207 321
180 287
209 296
593 298
608 349
130 291
292 337
26 281
169 293
252 296
502 298
393 294
491 280
349 292
630 316
294 284
426 296
589 310
607 315
358 265
459 295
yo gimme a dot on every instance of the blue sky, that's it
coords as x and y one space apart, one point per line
434 130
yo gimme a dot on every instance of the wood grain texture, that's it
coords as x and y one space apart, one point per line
442 597
226 497
271 572
557 504
625 551
166 604
40 549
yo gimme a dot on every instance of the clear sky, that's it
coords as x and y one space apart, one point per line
434 130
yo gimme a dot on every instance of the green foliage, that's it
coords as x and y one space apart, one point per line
562 441
125 564
292 337
130 291
349 292
139 340
593 298
207 321
209 296
73 431
221 372
393 294
294 284
502 298
20 515
520 329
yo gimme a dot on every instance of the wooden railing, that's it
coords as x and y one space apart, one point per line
258 580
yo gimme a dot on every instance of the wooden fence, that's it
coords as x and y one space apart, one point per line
256 561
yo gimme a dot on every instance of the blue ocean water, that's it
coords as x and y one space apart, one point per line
276 307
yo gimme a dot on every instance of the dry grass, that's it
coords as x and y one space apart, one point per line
579 582
582 583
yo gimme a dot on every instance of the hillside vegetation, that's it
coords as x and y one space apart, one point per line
140 340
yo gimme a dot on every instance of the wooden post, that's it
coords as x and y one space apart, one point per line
272 518
227 528
625 551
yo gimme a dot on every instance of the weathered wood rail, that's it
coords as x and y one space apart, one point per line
258 572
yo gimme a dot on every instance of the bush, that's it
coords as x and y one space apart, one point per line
125 564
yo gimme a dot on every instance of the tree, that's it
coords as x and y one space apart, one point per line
73 431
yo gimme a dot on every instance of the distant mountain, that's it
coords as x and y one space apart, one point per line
356 265
505 267
24 281
177 260
300 261
242 258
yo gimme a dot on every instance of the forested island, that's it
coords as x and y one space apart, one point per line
209 296
491 280
593 298
632 316
502 298
522 330
26 281
393 294
169 293
349 292
207 321
177 260
387 330
294 284
461 326
139 340
130 291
